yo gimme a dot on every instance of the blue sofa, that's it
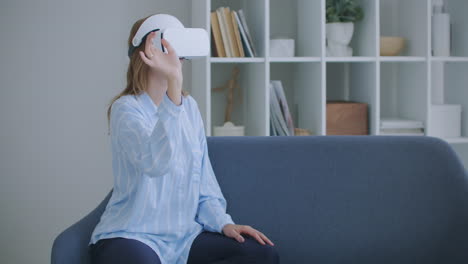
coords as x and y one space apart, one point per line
334 199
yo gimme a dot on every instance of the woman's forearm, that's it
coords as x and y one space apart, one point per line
174 88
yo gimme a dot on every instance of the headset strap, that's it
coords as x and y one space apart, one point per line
132 48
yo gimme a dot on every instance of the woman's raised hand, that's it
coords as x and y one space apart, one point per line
167 64
236 231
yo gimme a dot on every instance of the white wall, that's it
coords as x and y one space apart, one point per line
61 61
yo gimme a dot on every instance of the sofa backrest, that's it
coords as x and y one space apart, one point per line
351 199
334 199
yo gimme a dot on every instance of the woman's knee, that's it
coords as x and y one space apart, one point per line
269 254
254 252
123 250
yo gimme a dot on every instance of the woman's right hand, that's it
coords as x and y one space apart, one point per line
168 64
236 231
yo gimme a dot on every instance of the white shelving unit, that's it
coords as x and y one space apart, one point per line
391 86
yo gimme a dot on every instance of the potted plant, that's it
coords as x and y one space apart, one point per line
341 15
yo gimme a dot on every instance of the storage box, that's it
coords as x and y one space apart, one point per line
281 47
347 118
445 121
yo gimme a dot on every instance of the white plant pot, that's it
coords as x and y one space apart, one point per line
339 36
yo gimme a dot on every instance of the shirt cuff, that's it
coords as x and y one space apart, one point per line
227 220
167 108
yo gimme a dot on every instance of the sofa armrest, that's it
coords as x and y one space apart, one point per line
71 246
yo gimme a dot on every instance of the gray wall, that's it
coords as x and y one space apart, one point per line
61 62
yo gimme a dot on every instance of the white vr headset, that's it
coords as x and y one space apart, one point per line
188 43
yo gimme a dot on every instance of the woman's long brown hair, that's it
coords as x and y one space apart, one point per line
137 72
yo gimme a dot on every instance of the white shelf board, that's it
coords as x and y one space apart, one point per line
402 59
350 59
450 59
295 59
456 140
236 60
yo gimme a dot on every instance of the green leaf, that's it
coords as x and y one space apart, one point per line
343 11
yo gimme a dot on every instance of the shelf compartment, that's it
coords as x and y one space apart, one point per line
459 23
404 91
303 88
364 42
251 110
456 90
355 82
407 19
299 20
255 15
365 32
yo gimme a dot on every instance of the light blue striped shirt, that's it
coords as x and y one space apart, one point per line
165 191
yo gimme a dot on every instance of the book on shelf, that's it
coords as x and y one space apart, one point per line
273 122
237 34
400 134
224 32
401 127
247 32
230 34
281 123
230 29
400 123
245 43
217 39
278 87
402 130
276 121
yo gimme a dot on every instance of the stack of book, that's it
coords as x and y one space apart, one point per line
401 127
230 35
281 123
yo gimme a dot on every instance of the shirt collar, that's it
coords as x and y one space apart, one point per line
147 103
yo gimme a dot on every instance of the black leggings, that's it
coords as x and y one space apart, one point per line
207 248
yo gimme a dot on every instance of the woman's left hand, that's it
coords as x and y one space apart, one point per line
236 231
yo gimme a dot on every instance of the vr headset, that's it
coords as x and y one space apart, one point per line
188 43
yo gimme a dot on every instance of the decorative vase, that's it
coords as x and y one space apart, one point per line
339 36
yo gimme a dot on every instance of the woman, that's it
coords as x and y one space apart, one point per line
166 206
